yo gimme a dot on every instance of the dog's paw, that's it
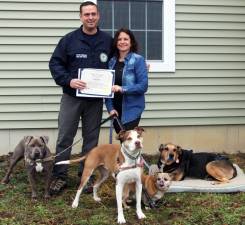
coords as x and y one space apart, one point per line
74 204
125 206
4 181
47 196
34 198
121 219
140 215
97 199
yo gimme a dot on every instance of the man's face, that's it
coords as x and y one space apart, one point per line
89 17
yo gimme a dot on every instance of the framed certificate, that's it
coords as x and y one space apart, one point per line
98 83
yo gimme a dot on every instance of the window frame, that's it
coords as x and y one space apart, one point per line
168 64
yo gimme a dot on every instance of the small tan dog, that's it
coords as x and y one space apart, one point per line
154 188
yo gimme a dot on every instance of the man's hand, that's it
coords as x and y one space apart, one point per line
77 84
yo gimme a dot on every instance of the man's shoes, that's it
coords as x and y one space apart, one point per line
57 185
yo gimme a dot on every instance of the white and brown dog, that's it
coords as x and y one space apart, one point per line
124 160
130 171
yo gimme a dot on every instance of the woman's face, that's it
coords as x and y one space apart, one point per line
123 42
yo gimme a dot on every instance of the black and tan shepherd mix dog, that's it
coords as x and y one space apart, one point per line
180 163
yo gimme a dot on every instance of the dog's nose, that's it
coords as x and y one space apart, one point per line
161 182
137 143
171 156
37 154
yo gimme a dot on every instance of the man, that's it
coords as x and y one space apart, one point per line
86 47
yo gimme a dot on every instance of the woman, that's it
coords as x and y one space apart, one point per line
131 81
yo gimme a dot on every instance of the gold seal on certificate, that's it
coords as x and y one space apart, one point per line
98 83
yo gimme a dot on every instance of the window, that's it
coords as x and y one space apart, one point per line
153 23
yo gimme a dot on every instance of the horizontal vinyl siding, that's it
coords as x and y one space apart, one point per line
207 88
29 32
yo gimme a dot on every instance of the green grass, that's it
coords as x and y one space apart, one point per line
17 208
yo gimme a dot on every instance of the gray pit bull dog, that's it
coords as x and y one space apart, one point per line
37 158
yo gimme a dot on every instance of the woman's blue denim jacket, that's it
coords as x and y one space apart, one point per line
134 85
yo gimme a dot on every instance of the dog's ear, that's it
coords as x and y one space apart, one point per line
179 150
121 135
140 130
161 147
170 176
156 174
27 139
45 139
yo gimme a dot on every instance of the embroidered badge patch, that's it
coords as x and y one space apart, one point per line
103 57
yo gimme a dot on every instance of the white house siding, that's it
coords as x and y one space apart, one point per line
201 105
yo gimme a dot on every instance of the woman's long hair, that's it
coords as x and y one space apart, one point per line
134 44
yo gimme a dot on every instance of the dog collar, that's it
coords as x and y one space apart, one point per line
29 161
141 164
130 156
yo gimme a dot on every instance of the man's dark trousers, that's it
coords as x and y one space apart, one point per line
72 110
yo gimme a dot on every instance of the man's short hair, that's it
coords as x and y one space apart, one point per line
86 3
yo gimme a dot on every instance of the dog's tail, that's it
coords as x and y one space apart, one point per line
71 161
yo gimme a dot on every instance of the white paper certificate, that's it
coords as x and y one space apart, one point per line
98 83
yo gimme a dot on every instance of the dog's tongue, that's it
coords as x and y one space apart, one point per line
177 161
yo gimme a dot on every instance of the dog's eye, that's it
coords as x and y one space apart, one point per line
129 138
138 136
158 179
165 179
174 150
166 148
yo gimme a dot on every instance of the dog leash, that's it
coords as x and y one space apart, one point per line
111 127
102 122
151 203
53 157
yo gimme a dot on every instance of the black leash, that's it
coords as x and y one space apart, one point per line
53 157
119 123
102 122
151 203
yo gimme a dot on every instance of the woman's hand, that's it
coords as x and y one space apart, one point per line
116 88
113 112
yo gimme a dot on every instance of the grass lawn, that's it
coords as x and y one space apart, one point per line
16 207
